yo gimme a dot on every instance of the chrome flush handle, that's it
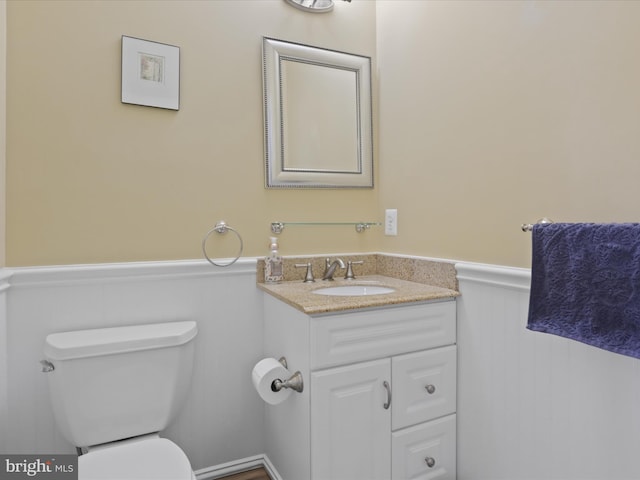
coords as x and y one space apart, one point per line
47 366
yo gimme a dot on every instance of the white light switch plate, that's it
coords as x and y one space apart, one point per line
391 221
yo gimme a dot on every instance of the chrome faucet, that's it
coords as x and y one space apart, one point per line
330 268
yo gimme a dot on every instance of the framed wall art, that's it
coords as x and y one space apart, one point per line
150 73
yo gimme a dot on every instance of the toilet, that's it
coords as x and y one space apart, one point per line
114 389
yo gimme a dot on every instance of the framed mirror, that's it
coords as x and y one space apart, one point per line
317 116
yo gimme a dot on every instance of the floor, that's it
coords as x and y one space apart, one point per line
255 474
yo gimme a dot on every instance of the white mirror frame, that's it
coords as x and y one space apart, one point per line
283 173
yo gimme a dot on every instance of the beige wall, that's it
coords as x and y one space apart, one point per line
491 114
494 114
93 180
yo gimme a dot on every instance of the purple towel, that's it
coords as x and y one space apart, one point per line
585 284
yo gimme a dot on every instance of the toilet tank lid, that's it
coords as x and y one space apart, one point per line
107 341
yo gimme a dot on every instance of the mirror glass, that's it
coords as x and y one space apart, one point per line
317 111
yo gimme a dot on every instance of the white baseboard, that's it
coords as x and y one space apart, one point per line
238 466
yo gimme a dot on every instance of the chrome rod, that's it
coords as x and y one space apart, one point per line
528 227
360 227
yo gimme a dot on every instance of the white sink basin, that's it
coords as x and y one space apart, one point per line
354 290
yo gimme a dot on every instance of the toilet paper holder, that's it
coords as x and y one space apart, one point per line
294 382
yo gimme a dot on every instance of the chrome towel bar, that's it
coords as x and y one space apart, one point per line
527 227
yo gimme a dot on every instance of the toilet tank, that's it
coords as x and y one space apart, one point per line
109 384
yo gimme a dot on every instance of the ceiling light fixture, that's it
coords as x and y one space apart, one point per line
315 6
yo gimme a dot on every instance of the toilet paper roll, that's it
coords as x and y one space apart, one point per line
264 373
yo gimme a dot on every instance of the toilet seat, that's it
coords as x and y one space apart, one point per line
147 459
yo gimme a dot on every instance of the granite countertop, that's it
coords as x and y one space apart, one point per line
298 294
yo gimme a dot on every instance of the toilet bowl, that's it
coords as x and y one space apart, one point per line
114 389
144 458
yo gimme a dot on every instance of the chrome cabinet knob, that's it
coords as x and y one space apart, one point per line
430 389
430 461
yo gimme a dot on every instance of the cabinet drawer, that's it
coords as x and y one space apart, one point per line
354 337
426 451
424 386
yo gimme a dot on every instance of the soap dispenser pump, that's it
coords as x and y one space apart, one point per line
273 267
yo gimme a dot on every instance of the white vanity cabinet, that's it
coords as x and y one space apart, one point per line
379 393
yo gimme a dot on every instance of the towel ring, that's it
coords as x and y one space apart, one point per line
222 228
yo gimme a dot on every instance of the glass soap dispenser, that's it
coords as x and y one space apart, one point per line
273 268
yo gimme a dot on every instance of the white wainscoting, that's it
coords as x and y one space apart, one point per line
224 417
4 367
533 406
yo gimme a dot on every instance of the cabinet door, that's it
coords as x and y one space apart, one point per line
424 386
426 451
350 426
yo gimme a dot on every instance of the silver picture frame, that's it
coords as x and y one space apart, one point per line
150 73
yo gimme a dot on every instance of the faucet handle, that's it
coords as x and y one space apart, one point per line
308 278
349 275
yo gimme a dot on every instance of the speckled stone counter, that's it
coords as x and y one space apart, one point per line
414 280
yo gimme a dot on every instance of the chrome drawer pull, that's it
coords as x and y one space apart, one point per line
430 461
430 389
385 384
